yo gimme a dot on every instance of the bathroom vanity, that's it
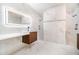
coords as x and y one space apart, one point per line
30 38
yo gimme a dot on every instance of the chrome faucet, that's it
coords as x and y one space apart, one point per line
28 28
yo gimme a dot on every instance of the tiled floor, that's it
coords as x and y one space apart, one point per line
47 48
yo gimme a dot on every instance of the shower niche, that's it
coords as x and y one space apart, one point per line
15 18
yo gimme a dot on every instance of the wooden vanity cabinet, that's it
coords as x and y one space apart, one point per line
77 41
30 38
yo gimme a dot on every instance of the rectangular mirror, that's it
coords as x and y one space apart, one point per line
15 17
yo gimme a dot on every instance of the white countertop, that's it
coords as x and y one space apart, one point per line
11 35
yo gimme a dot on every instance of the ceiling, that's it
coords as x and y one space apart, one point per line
41 7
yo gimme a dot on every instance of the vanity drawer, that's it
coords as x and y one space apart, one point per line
25 38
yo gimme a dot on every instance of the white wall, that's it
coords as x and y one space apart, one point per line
41 34
71 33
10 45
53 13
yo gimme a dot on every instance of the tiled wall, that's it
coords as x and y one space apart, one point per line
54 24
71 33
69 10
